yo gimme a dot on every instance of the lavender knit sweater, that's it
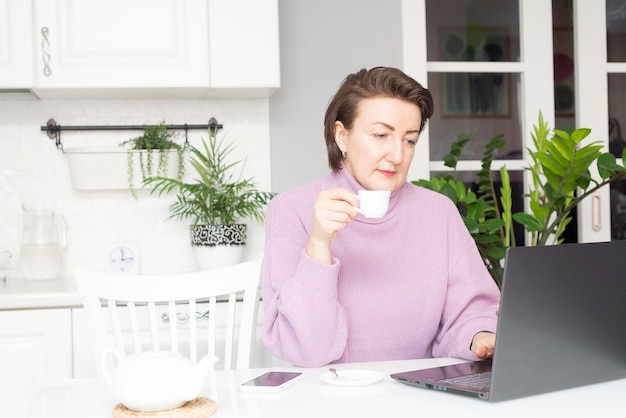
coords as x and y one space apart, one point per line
410 285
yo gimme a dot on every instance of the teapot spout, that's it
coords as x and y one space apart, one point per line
194 386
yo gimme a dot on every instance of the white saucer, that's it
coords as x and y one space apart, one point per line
352 377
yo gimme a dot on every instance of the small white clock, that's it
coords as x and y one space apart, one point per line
123 259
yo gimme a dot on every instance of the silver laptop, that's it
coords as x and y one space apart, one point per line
561 325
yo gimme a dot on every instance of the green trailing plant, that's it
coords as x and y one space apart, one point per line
216 196
561 179
155 138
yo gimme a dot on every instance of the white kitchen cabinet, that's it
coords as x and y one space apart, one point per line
16 45
244 46
91 48
155 48
35 347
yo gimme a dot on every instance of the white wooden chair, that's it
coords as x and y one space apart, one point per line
133 313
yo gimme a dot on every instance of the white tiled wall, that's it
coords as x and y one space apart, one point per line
33 170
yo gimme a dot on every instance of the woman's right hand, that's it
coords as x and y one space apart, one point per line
333 211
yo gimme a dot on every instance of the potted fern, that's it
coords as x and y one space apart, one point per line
216 202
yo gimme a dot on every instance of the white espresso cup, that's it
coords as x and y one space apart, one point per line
373 203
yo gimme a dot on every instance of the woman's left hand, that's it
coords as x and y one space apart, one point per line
483 344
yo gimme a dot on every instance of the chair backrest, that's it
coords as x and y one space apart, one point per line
193 313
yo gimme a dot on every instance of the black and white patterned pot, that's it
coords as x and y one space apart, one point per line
216 246
214 235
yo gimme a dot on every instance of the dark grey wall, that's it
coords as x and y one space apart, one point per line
321 42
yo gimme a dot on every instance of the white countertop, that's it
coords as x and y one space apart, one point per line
312 398
19 293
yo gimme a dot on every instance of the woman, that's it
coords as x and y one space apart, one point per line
339 287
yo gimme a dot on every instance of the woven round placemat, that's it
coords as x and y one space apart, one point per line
196 408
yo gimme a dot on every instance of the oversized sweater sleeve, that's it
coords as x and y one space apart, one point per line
304 322
472 298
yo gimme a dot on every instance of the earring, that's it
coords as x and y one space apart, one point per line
343 154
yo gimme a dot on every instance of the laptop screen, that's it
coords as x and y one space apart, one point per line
561 320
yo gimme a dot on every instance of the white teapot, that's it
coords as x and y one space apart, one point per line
156 380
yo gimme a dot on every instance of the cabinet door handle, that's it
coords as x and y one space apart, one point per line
596 220
45 51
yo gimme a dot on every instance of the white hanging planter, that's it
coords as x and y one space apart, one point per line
107 168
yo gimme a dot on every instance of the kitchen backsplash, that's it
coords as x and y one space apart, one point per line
33 170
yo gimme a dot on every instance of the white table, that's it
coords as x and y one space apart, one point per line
314 398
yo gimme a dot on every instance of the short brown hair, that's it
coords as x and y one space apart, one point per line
364 84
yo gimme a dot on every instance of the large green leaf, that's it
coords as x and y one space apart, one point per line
477 209
529 221
449 191
563 136
540 211
491 225
461 191
487 238
583 180
607 165
471 224
580 134
563 157
549 162
587 154
449 161
496 252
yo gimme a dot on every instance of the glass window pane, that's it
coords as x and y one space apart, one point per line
472 30
564 85
618 210
617 144
563 61
616 30
617 113
483 103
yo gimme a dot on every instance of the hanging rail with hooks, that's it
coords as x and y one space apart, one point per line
53 129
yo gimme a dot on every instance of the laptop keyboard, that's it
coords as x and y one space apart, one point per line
478 380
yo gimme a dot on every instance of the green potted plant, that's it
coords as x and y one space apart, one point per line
478 205
216 202
152 151
560 181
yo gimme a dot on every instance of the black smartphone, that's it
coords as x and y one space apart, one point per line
271 382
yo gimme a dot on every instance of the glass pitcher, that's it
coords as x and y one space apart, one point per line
44 237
